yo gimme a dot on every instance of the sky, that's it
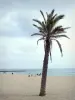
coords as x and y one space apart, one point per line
18 50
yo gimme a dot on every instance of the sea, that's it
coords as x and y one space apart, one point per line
51 72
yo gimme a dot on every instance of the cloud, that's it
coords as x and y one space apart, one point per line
17 52
16 23
35 4
18 49
16 15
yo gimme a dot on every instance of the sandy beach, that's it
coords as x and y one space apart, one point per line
22 87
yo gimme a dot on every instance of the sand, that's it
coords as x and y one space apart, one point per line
22 87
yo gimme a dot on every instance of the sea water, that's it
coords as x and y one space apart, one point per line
51 72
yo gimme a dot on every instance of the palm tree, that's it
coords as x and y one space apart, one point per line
49 32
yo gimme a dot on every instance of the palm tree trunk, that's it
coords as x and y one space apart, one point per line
44 70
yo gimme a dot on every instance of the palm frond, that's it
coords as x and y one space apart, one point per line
37 34
37 27
47 14
54 17
67 28
48 30
51 14
44 27
39 22
55 30
44 44
50 50
59 29
58 32
49 20
43 16
58 18
59 36
41 29
40 39
59 46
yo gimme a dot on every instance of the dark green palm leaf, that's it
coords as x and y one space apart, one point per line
40 28
39 22
59 36
49 17
47 29
59 29
40 39
37 34
44 27
54 16
43 16
44 44
50 50
47 14
59 46
51 14
59 32
56 29
49 20
67 28
57 19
